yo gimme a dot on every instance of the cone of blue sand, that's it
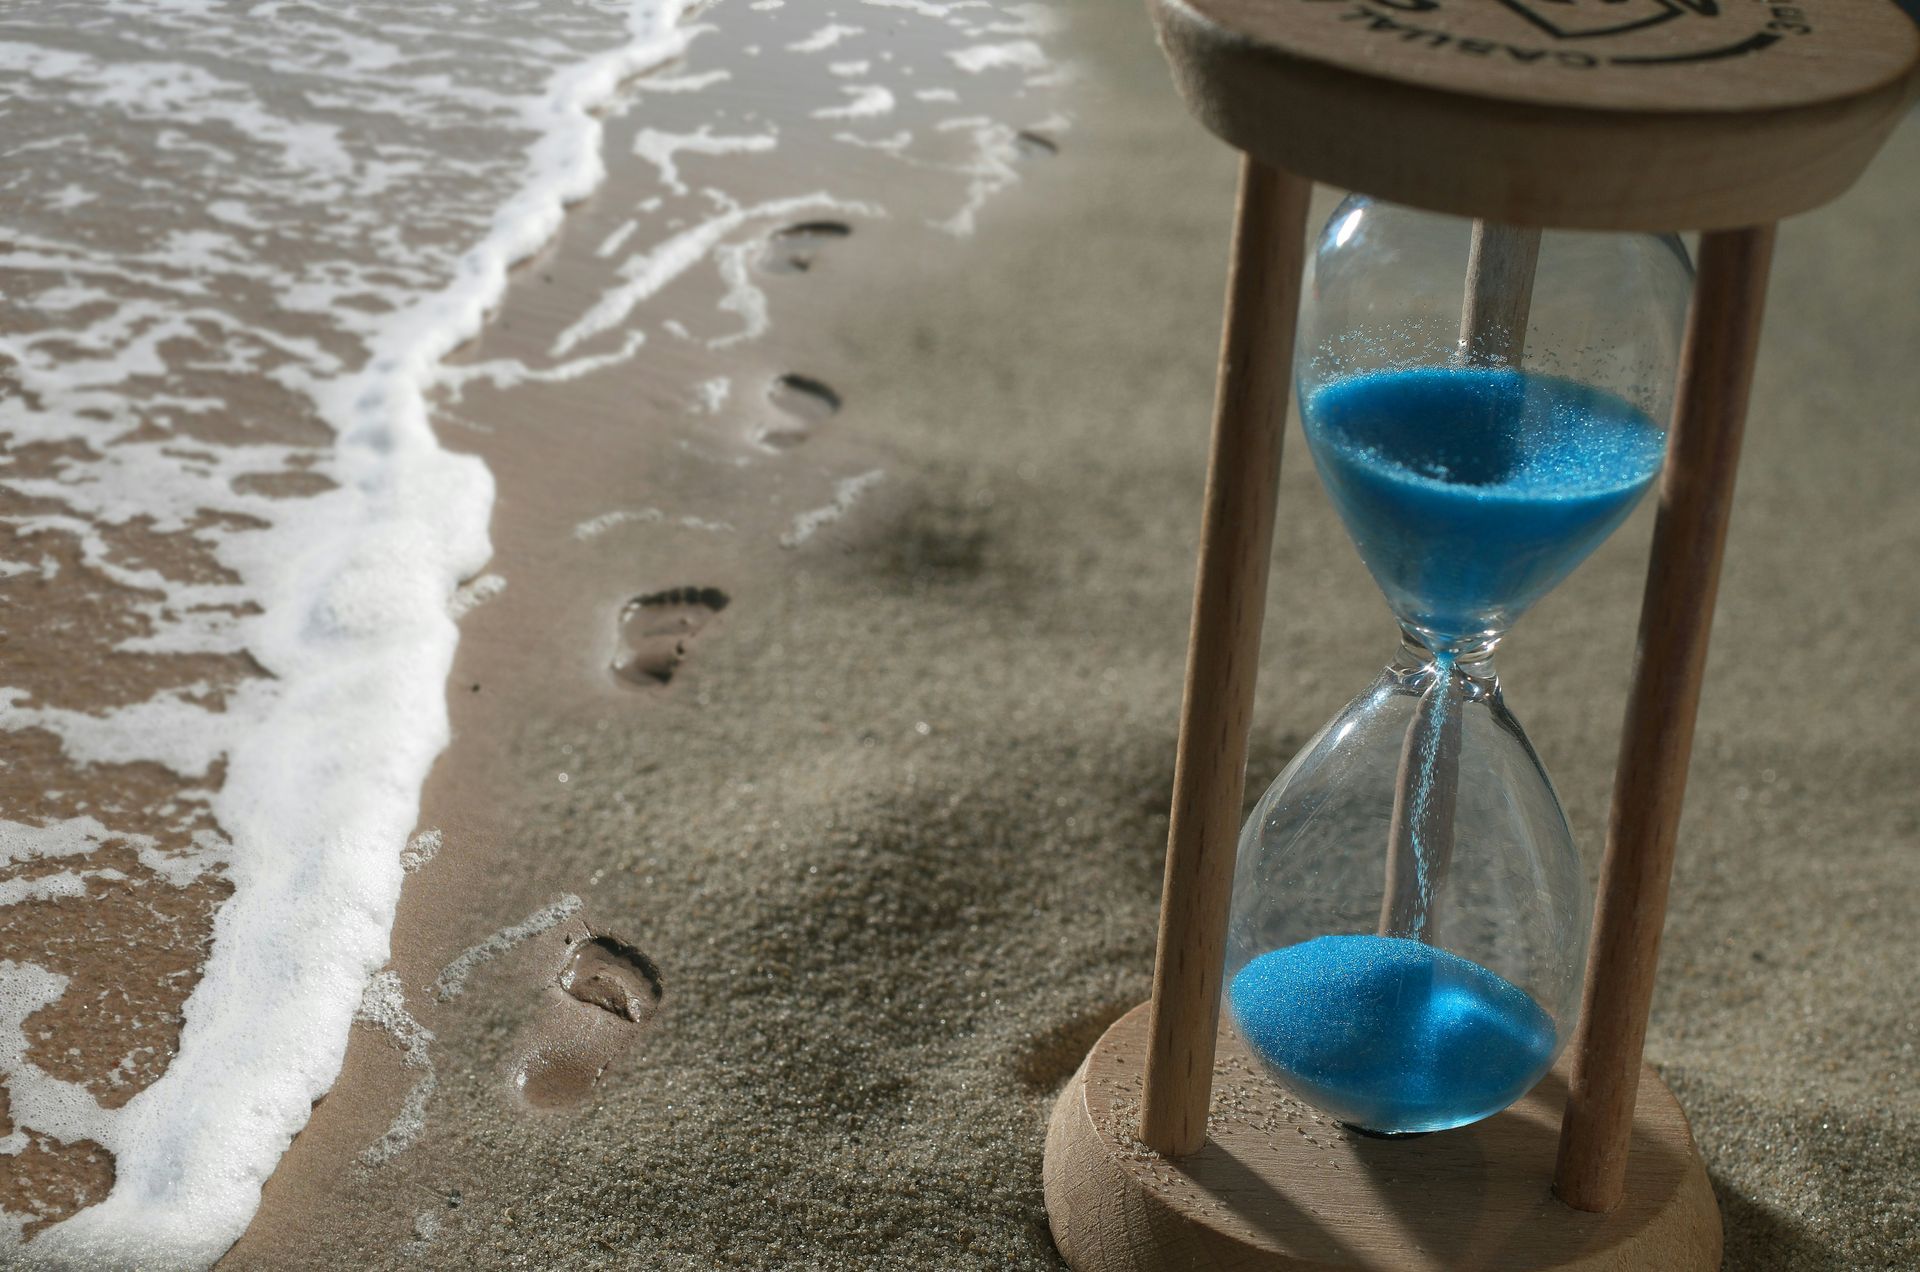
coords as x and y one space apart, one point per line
1391 1035
1471 492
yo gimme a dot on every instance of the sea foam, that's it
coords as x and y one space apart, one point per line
342 598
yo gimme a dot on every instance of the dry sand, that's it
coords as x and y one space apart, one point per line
891 834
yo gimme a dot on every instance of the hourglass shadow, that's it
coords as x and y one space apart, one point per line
1479 1196
1482 1196
1275 1218
1764 1239
1396 1175
1432 1189
1049 1059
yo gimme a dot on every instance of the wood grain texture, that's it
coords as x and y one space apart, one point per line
1493 319
1676 617
1279 1187
1533 112
1236 546
1493 332
1421 833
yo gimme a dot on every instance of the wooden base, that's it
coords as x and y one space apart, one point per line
1278 1186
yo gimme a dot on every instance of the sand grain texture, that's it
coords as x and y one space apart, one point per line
891 833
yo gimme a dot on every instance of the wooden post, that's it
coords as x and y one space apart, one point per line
1422 834
1236 545
1500 265
1493 333
1696 495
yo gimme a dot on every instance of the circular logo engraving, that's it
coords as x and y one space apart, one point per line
1574 19
1584 34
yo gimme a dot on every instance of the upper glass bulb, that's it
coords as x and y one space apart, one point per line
1472 484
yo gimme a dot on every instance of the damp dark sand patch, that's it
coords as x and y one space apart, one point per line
656 631
291 484
132 942
72 654
47 1180
944 541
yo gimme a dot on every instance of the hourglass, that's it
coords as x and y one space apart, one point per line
1390 1032
1409 913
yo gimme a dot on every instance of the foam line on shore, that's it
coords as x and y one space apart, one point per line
452 981
645 274
325 757
330 237
846 493
384 1005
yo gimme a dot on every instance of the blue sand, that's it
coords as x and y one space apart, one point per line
1423 794
1389 1034
1471 492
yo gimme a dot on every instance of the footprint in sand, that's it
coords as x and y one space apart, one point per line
603 998
656 629
792 250
1033 145
804 403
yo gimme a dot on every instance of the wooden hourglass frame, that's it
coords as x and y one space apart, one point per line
1168 1148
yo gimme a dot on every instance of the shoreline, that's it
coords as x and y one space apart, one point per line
66 1100
304 557
733 487
884 945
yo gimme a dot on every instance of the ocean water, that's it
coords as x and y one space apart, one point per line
243 246
1472 492
1391 1035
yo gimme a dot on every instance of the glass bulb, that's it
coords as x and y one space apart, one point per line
1401 965
1472 486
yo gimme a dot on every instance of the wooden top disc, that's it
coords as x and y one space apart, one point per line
1591 114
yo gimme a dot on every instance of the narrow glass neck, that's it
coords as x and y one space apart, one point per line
1472 655
1461 675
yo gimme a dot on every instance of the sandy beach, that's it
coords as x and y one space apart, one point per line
892 831
829 676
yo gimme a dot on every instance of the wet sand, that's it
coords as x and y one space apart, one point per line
888 835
